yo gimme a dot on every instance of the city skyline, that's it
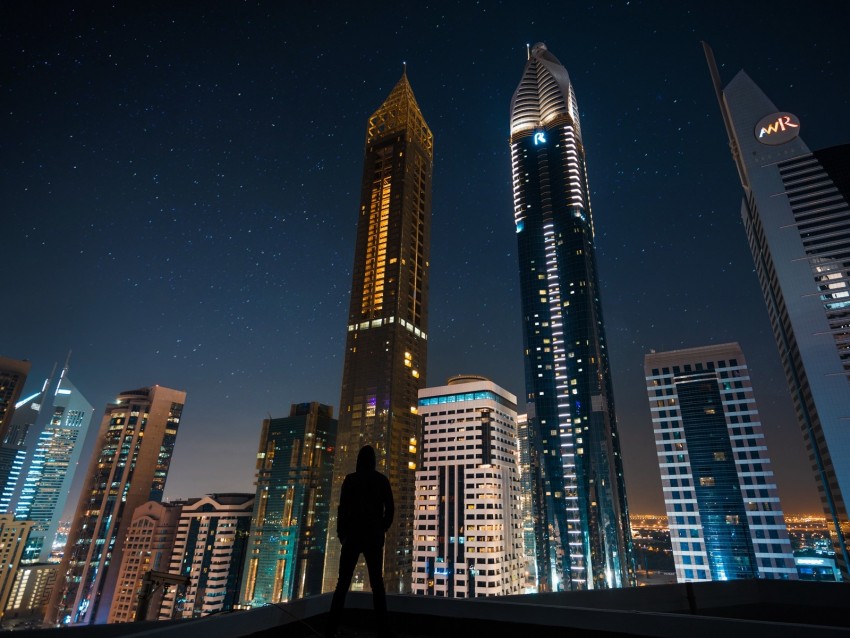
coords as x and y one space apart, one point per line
203 300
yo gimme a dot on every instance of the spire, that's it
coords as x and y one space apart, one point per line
724 111
400 113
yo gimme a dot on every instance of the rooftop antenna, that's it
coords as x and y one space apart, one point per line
404 67
727 121
67 362
528 50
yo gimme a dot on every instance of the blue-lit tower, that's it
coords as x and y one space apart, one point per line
580 513
52 450
289 523
723 509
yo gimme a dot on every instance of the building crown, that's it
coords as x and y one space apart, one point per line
400 113
544 95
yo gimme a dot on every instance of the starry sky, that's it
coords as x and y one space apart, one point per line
180 186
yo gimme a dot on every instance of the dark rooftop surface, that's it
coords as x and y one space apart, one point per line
718 610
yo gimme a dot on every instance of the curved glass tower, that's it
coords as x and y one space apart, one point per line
582 537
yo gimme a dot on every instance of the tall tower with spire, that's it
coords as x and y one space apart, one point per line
386 344
582 537
56 421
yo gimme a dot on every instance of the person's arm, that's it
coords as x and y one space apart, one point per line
343 515
389 506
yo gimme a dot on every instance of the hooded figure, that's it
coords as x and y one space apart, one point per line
365 513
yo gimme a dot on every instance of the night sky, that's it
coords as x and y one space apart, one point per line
180 186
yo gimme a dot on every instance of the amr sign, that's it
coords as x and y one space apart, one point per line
777 128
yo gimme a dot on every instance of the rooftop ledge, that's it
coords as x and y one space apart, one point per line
728 609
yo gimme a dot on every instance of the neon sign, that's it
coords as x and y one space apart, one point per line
777 128
539 138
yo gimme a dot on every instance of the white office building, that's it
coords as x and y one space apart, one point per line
468 535
723 510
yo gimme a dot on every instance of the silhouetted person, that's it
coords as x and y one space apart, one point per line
365 512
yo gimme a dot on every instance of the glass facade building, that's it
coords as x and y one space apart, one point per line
129 467
289 523
582 534
54 423
796 213
386 343
723 510
468 527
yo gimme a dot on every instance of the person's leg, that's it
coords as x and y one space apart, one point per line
374 556
347 562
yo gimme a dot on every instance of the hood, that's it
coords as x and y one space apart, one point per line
366 459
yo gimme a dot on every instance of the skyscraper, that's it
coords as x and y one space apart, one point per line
148 546
468 527
289 523
386 346
129 467
796 212
29 595
723 510
13 540
56 423
13 375
581 518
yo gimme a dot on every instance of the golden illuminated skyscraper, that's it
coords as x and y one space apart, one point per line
385 350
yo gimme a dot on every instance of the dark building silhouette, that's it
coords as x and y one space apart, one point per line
796 212
582 536
385 351
289 523
13 375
